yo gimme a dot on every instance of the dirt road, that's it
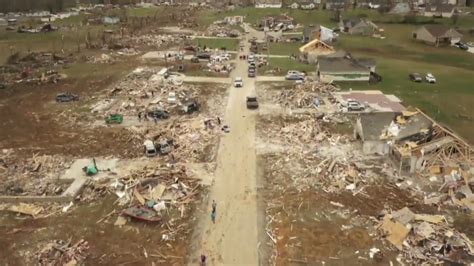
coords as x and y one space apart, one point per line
233 238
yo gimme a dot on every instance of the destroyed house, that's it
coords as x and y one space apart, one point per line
313 49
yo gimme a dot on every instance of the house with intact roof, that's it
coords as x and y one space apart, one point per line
268 3
359 26
439 10
437 35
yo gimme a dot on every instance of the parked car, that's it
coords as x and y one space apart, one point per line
415 77
251 59
66 97
430 78
195 59
238 82
355 106
462 46
202 55
294 75
251 73
159 114
252 102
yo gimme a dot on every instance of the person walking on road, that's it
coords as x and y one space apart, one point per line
213 212
214 206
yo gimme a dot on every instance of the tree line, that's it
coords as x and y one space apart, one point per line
52 5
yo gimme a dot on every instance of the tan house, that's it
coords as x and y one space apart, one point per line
437 35
440 11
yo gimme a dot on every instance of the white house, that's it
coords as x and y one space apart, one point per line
268 3
308 6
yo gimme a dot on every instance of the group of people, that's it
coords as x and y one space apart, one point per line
213 219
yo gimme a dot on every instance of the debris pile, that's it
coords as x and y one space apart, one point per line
155 40
60 252
305 95
221 31
194 139
147 90
161 194
455 190
424 238
37 175
33 68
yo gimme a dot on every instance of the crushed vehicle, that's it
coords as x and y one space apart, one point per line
150 149
66 97
114 119
415 77
172 97
252 102
164 147
191 107
158 114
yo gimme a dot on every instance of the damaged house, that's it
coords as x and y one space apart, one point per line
318 32
369 127
311 51
413 140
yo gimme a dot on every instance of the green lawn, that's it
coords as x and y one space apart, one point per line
285 64
281 48
229 44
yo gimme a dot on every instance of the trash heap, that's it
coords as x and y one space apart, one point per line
424 238
60 252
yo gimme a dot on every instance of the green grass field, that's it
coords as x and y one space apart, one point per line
281 48
228 44
285 64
